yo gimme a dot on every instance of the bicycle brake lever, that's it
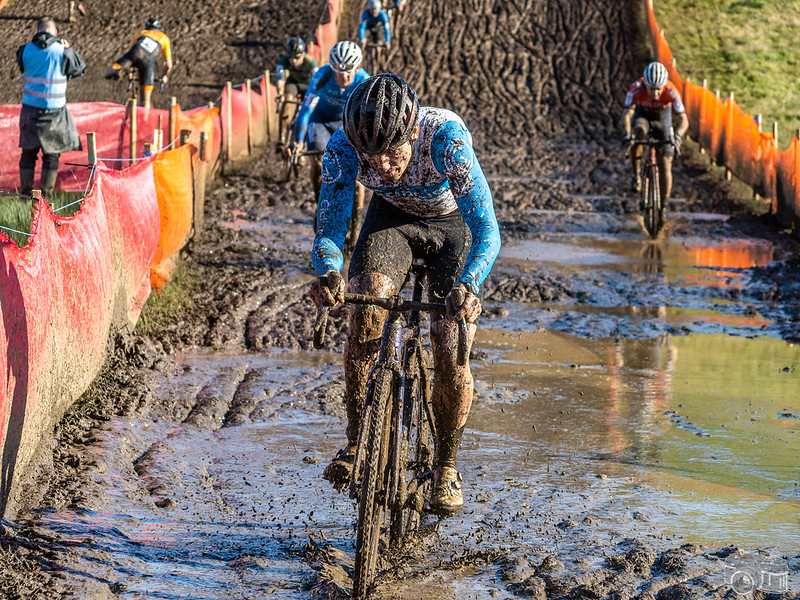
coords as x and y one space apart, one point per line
320 324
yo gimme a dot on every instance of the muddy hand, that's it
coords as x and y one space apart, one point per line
462 304
328 289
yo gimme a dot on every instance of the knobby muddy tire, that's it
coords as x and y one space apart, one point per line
652 205
415 453
370 511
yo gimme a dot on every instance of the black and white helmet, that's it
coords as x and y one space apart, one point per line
381 114
373 4
655 75
152 23
345 56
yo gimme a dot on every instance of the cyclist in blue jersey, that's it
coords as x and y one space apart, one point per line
321 112
431 200
375 24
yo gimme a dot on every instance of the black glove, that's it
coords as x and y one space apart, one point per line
626 139
328 289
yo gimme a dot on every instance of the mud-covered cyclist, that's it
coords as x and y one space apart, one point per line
649 105
430 199
322 109
295 69
374 25
149 45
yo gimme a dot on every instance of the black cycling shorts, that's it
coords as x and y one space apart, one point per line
657 123
142 55
390 238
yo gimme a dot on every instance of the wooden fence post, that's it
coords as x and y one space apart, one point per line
91 148
185 133
228 120
133 130
248 97
173 114
268 100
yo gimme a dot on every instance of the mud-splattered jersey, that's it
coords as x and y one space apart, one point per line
637 95
325 100
443 176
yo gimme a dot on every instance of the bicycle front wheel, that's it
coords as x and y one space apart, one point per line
416 457
371 505
652 201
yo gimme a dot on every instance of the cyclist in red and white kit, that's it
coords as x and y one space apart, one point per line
649 106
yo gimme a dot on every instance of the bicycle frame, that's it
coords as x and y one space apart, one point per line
651 184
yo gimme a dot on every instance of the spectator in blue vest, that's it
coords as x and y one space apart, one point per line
46 63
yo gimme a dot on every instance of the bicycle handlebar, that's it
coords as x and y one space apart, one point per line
394 303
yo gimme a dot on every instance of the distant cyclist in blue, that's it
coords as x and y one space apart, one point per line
321 112
430 200
375 23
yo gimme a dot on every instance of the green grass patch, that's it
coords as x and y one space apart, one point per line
170 304
748 47
15 213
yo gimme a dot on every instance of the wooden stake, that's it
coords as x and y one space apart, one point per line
133 130
91 148
247 94
775 133
228 119
185 133
203 146
149 149
173 120
268 100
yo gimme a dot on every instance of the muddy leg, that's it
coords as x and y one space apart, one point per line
452 390
361 347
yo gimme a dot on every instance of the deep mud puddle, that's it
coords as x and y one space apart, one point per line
574 448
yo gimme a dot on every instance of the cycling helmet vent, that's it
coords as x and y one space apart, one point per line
373 4
381 114
295 46
655 75
152 24
345 56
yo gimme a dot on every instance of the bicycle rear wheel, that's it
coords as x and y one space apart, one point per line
652 201
371 505
416 457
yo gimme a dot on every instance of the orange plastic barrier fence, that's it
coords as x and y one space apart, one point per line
732 137
59 297
173 179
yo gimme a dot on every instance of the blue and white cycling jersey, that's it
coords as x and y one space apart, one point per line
443 176
325 100
368 21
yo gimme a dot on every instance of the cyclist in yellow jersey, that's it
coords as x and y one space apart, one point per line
148 45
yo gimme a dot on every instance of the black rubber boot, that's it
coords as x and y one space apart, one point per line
26 181
48 182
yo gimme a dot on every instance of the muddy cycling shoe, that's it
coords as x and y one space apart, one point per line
338 472
446 498
636 183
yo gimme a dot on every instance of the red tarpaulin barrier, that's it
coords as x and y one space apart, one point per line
59 297
109 121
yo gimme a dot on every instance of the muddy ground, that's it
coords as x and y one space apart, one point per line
192 468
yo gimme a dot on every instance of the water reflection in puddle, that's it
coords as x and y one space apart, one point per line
688 260
709 421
